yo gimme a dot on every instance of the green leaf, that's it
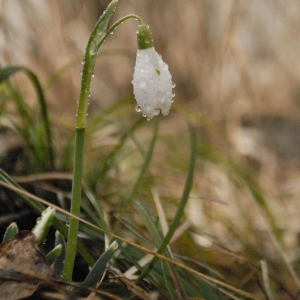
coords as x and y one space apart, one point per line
5 73
54 254
10 232
57 224
58 264
186 191
43 224
99 267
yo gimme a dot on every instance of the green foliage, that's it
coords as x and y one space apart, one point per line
118 182
10 232
37 136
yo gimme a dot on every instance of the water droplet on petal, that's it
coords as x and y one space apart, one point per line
138 109
147 59
156 111
173 95
142 83
144 115
173 85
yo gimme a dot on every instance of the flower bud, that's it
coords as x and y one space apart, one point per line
152 81
144 37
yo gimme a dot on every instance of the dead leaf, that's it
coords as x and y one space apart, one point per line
20 257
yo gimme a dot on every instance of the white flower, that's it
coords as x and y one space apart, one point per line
152 84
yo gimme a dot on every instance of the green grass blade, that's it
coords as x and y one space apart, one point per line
10 232
186 191
142 171
57 224
149 223
54 254
5 73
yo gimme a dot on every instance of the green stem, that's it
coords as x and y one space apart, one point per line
97 37
75 204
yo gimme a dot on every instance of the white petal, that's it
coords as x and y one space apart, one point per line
164 92
152 83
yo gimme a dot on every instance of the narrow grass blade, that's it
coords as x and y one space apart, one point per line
54 254
99 267
149 223
143 169
186 192
5 73
58 263
58 225
10 232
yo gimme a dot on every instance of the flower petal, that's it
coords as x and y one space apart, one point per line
152 83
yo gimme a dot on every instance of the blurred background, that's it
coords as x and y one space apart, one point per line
237 73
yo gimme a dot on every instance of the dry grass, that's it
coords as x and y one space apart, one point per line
235 64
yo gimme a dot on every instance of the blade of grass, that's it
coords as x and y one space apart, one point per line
184 198
97 37
39 208
5 73
211 281
142 171
167 271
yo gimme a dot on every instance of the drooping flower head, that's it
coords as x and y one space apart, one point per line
152 81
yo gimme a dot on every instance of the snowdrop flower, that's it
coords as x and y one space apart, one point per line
152 81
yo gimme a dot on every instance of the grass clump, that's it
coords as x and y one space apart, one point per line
183 213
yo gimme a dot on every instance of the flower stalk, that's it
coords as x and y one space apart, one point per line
153 91
96 39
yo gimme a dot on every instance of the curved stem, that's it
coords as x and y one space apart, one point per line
97 37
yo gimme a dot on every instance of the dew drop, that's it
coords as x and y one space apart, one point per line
142 83
112 32
173 95
147 59
138 109
93 74
144 115
148 119
156 111
93 48
173 85
81 72
82 61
